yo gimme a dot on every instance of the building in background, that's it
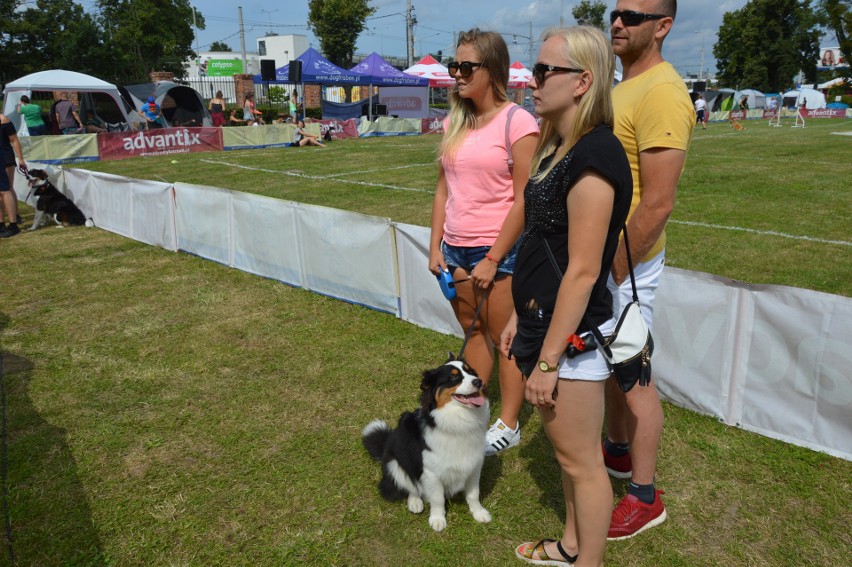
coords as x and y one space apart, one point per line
281 48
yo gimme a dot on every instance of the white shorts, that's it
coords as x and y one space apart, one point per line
647 279
589 365
592 365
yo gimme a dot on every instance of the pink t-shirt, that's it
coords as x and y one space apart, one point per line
479 183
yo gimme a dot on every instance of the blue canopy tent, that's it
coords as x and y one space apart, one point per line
383 74
317 70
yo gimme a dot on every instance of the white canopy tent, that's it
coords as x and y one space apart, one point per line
755 99
811 97
61 80
438 75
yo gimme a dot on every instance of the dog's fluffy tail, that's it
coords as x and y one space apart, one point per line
375 437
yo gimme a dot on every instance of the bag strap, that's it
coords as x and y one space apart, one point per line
510 161
592 327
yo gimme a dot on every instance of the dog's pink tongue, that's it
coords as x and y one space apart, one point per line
476 401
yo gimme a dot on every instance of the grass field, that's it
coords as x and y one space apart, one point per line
161 409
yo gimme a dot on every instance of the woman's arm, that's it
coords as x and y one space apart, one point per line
486 270
590 204
439 216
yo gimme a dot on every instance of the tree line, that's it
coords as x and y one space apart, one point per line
763 45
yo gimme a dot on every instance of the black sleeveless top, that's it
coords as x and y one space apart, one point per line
535 283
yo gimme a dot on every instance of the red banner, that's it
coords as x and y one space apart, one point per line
159 142
339 128
431 125
825 113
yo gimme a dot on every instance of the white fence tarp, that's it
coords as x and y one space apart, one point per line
137 209
770 359
349 256
421 300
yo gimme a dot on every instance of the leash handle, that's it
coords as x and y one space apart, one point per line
475 318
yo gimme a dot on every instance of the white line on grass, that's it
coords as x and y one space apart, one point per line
318 177
763 232
382 169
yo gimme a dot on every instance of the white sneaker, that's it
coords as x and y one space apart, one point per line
500 436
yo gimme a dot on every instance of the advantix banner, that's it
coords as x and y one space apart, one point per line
159 142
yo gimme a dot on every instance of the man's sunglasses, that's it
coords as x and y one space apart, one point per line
463 68
629 18
540 70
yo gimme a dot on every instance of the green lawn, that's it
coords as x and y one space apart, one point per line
162 409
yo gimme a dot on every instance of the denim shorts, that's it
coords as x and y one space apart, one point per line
468 257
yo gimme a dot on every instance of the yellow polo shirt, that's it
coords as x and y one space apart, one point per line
652 110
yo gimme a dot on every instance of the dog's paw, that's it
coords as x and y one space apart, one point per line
438 523
482 515
90 223
415 504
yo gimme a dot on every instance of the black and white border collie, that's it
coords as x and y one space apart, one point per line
436 451
52 202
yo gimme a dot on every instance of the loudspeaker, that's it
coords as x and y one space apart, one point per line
699 86
267 69
295 72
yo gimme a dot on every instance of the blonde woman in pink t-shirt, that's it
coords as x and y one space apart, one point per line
478 211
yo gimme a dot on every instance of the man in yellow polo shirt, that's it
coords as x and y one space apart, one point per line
653 119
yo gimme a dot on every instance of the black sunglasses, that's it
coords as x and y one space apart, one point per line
630 18
539 71
463 68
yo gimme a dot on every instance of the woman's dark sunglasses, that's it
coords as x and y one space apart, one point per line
540 70
463 68
630 18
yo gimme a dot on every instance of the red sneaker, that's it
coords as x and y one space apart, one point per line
617 467
632 517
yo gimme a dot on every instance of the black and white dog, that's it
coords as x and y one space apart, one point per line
436 451
52 202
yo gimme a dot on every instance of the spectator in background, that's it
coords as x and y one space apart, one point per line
32 116
251 115
150 111
217 109
235 119
700 109
302 137
94 125
10 148
295 107
67 117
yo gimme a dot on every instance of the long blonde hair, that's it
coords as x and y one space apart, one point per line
494 56
585 47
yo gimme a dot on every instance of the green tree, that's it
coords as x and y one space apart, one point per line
58 34
10 53
337 24
220 46
147 35
766 43
590 13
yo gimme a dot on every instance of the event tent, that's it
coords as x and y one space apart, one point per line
723 99
519 75
317 70
101 97
180 105
381 73
812 98
437 74
755 99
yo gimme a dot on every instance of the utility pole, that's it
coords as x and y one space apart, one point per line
410 20
242 39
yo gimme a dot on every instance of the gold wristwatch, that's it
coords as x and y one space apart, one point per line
545 367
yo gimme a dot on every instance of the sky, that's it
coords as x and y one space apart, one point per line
690 42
